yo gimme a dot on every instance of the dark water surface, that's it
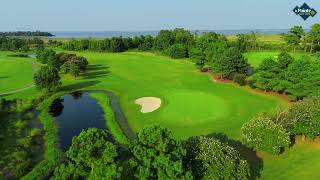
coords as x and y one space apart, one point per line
76 112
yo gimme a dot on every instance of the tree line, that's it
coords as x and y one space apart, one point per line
19 44
175 43
297 38
298 78
26 33
181 41
154 154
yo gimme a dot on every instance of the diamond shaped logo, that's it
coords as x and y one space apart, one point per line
304 11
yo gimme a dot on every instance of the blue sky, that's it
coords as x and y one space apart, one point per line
137 15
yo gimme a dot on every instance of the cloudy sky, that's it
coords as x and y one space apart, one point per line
138 15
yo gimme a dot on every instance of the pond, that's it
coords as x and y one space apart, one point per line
75 112
78 111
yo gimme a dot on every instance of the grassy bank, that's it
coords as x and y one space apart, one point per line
109 116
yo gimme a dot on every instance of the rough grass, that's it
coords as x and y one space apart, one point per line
299 162
255 58
270 38
109 116
15 73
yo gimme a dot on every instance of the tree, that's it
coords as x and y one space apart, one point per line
231 62
184 37
73 64
294 36
177 51
243 42
262 133
74 70
47 78
208 158
300 83
305 116
314 36
198 57
48 56
208 48
266 77
214 51
164 40
157 155
284 60
146 43
117 45
93 156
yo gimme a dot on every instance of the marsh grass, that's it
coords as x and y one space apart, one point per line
111 122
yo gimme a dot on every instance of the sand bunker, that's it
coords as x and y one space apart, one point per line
148 104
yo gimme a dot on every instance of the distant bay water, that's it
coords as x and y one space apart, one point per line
108 34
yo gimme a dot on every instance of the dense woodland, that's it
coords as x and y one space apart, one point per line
26 33
19 44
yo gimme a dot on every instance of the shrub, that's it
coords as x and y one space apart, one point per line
263 134
305 116
35 132
240 79
156 154
208 158
205 68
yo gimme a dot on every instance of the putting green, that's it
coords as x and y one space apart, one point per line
183 106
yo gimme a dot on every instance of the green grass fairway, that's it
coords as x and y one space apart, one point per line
255 58
192 104
15 73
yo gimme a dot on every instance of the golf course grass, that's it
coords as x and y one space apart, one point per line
302 161
256 57
192 104
15 73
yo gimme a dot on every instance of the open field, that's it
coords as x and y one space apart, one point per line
255 58
192 104
269 38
